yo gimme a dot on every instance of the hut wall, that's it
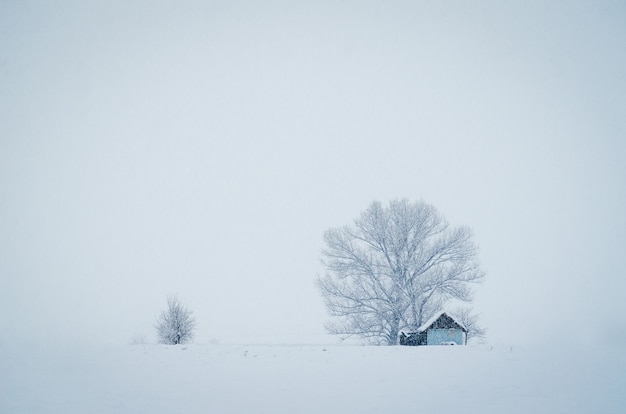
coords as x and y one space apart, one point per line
413 338
440 336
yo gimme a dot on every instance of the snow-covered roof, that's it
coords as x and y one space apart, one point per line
429 322
434 318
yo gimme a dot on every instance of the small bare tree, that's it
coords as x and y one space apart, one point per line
176 324
394 268
470 321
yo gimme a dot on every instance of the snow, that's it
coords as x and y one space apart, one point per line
310 379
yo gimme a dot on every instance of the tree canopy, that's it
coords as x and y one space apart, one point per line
176 324
393 268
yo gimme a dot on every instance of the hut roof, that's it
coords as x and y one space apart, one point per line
435 318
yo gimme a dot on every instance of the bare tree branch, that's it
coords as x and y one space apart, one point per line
470 321
176 324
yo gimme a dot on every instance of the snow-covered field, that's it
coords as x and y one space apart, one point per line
311 379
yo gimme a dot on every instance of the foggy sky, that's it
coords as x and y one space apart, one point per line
202 148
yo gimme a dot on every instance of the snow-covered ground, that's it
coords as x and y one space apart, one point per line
311 379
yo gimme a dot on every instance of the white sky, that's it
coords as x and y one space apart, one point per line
204 147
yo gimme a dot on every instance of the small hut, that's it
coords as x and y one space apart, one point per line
441 329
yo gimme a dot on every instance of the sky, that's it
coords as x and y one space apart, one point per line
203 148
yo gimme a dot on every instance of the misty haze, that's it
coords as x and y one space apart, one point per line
202 206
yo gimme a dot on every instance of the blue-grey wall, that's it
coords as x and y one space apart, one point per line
439 336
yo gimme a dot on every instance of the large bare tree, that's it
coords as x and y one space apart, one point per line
393 268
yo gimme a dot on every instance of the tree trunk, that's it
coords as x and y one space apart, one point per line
394 330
